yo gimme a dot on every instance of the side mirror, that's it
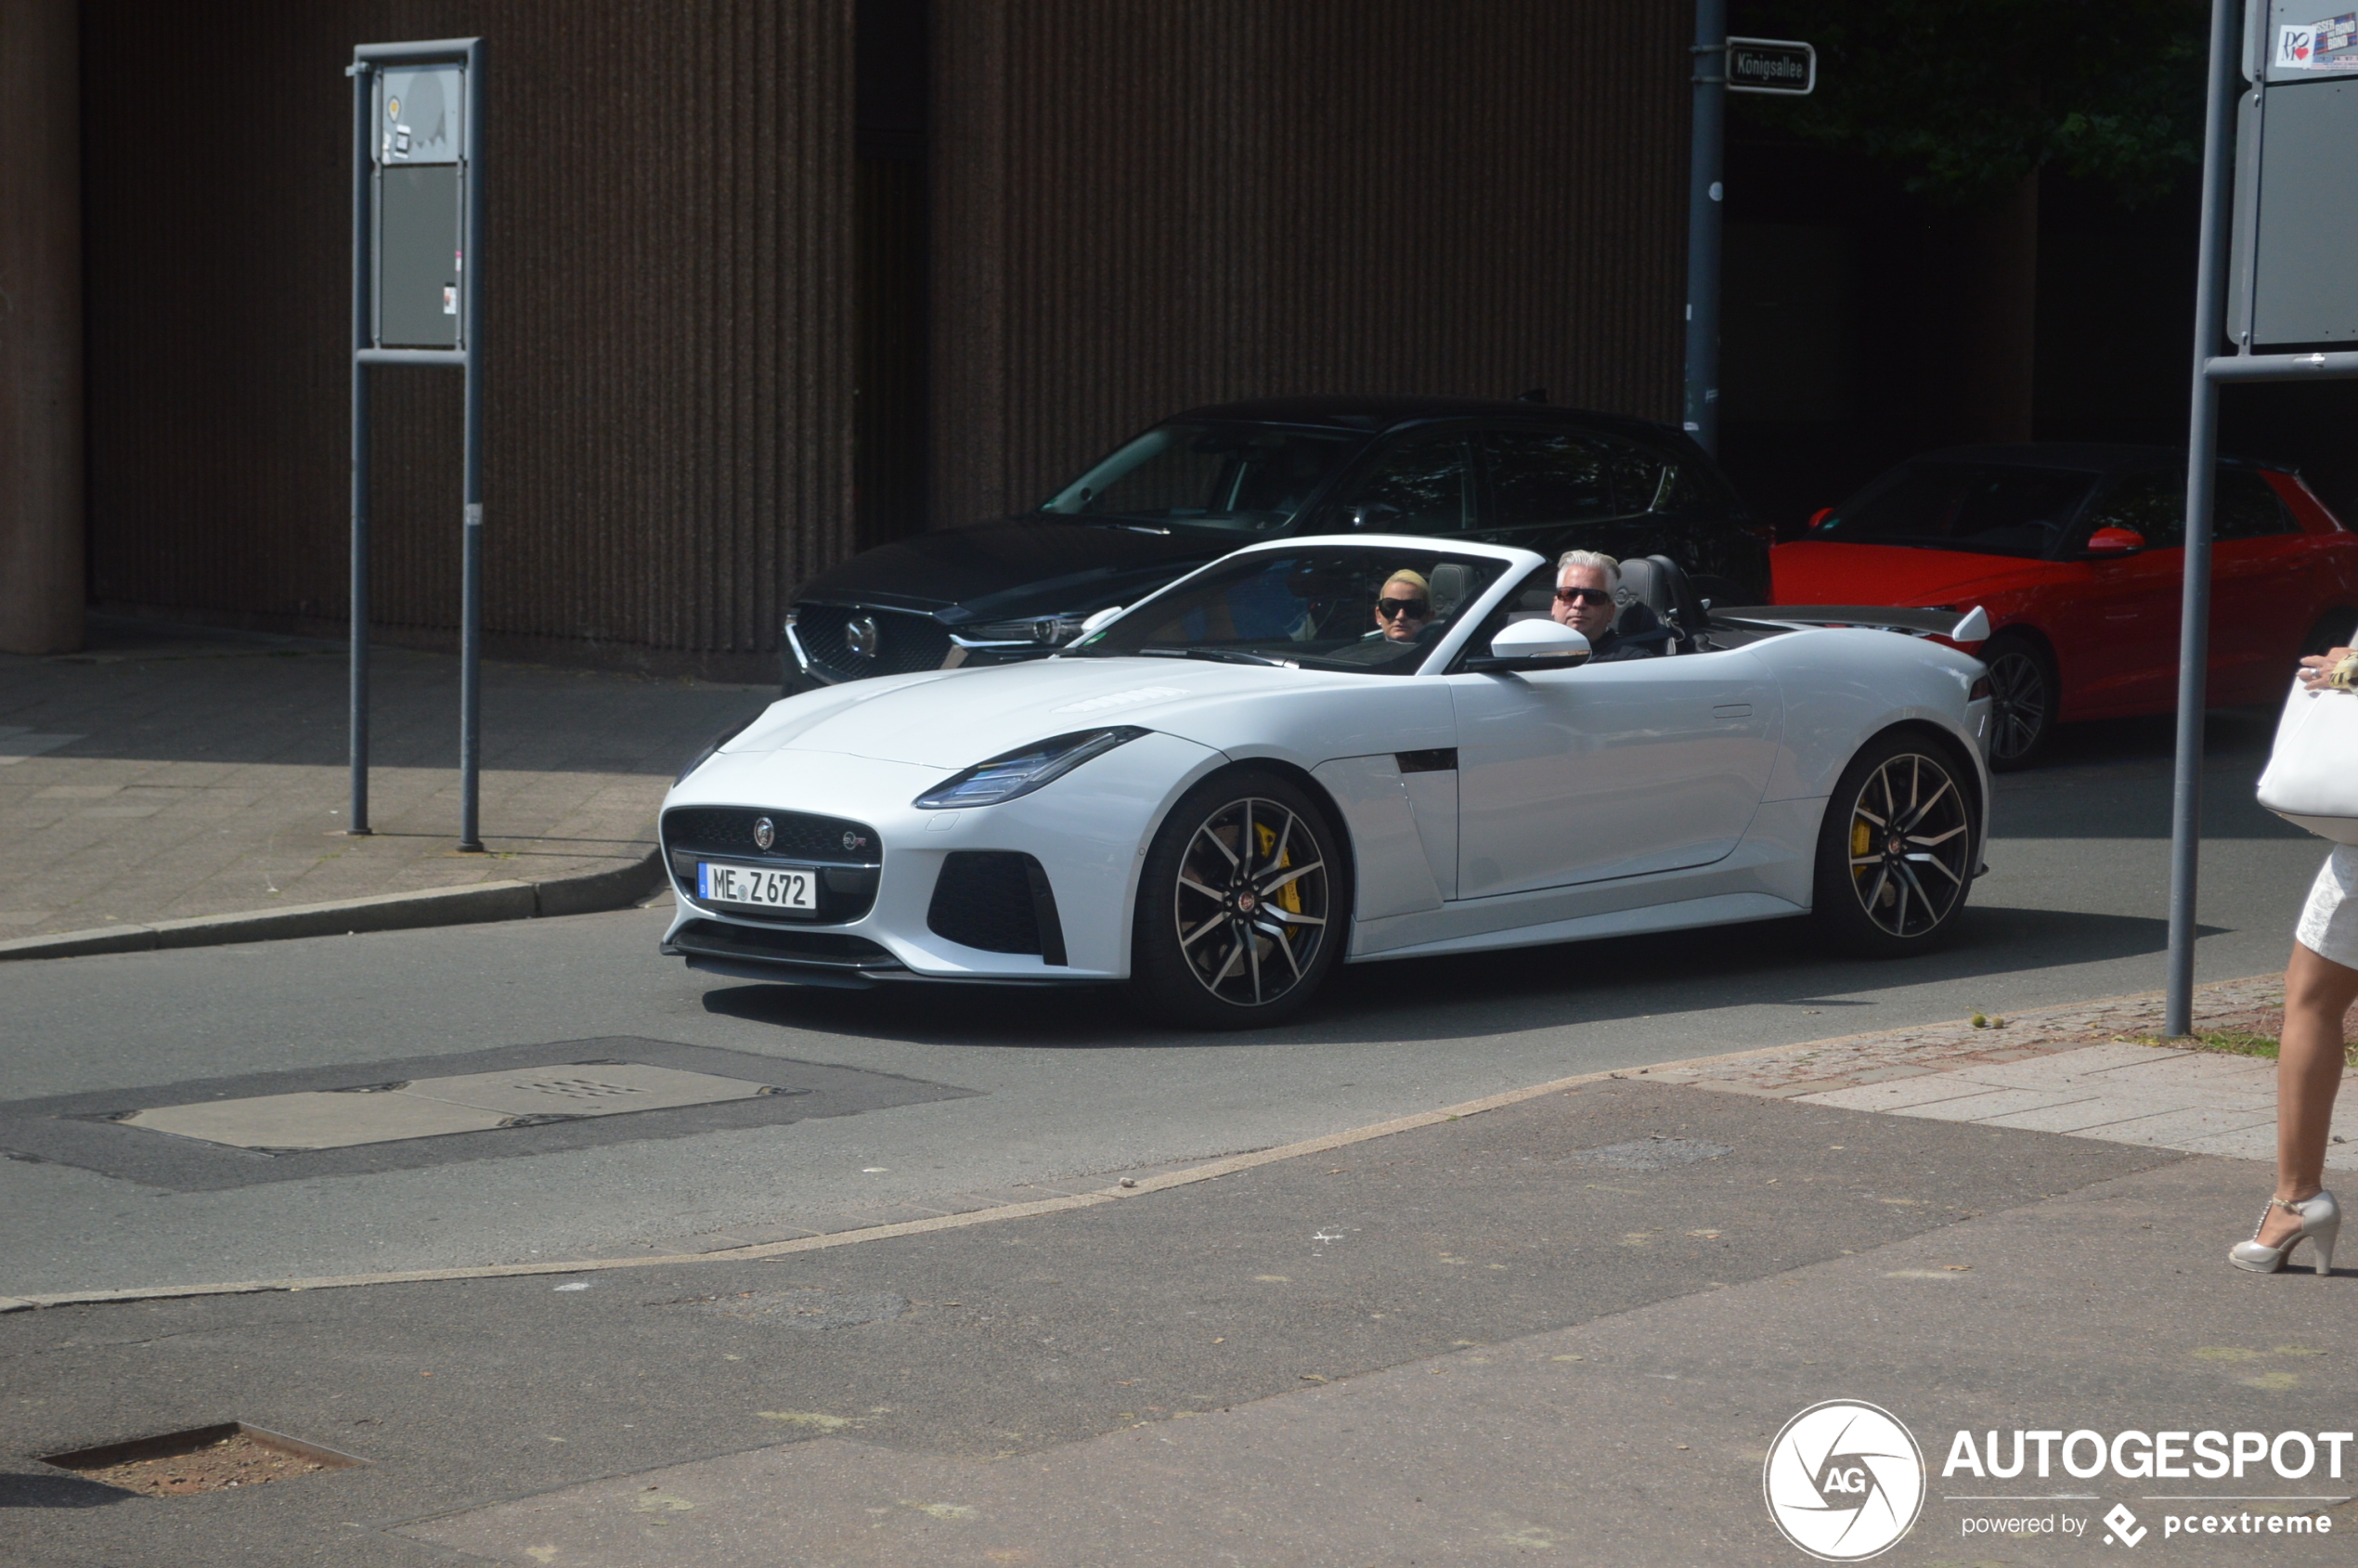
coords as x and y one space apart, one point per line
2114 543
1374 516
1821 515
1100 618
1534 644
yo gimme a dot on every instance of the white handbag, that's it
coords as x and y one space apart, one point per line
2312 777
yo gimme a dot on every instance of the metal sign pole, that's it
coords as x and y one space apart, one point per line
2286 240
363 123
415 302
1705 161
2202 468
470 517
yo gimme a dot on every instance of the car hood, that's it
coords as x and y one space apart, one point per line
954 718
1807 572
1017 566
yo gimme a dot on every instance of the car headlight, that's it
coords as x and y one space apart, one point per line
1022 770
1034 631
723 738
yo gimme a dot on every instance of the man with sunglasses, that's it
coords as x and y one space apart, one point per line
1584 583
1404 606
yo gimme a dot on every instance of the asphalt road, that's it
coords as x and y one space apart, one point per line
958 1091
1467 1342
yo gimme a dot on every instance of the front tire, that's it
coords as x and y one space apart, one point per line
2025 696
1244 905
1898 848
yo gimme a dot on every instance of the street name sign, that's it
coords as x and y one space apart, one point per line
1772 65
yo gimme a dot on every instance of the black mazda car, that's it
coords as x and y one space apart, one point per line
1199 485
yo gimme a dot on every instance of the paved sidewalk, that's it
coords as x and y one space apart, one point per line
167 772
2079 1069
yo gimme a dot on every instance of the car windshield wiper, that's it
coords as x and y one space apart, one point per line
1216 656
1109 520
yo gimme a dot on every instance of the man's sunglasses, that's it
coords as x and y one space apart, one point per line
1584 596
1391 609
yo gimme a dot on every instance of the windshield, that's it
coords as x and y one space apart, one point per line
1989 509
1248 478
1378 611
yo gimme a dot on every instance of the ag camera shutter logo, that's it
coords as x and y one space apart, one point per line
1844 1481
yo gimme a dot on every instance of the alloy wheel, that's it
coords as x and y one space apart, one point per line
1250 903
2018 704
1911 845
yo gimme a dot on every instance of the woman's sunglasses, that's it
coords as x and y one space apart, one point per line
1391 609
1584 596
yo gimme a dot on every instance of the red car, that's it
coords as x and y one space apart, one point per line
2076 554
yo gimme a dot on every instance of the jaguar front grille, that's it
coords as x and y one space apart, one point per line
847 855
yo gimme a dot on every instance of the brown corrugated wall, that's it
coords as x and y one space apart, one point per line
668 423
1143 205
1137 205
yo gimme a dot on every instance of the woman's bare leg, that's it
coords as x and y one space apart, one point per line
2318 992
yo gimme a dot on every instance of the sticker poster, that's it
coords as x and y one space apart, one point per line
2330 45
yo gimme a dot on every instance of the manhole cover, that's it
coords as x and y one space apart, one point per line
1652 1154
426 1108
801 1309
212 1459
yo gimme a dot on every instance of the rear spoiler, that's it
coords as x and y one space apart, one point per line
1974 627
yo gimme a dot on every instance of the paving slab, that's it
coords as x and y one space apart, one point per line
2198 1101
2173 1128
1989 1104
2090 1113
1918 1089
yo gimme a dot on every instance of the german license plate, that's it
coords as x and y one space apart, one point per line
768 887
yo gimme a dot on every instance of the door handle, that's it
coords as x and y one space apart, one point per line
1733 710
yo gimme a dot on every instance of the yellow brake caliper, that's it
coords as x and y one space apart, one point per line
1290 894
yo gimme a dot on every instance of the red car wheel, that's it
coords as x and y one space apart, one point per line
2023 692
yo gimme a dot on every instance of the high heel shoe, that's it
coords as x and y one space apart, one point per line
2320 1220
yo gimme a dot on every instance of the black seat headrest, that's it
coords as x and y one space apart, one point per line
1660 583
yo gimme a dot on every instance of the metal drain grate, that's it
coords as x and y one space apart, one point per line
1652 1154
579 1088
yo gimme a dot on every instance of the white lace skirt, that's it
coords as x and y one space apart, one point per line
2330 922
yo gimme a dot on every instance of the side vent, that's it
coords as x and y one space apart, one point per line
998 900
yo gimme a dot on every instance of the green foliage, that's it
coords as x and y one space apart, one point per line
2231 1042
1966 98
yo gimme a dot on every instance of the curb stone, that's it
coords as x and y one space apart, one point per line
477 902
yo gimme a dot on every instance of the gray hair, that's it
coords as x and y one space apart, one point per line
1596 558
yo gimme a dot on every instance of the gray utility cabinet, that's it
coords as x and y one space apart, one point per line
2294 275
421 206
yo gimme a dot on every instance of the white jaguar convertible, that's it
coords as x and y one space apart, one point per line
1222 792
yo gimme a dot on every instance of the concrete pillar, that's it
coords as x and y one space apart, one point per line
41 460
